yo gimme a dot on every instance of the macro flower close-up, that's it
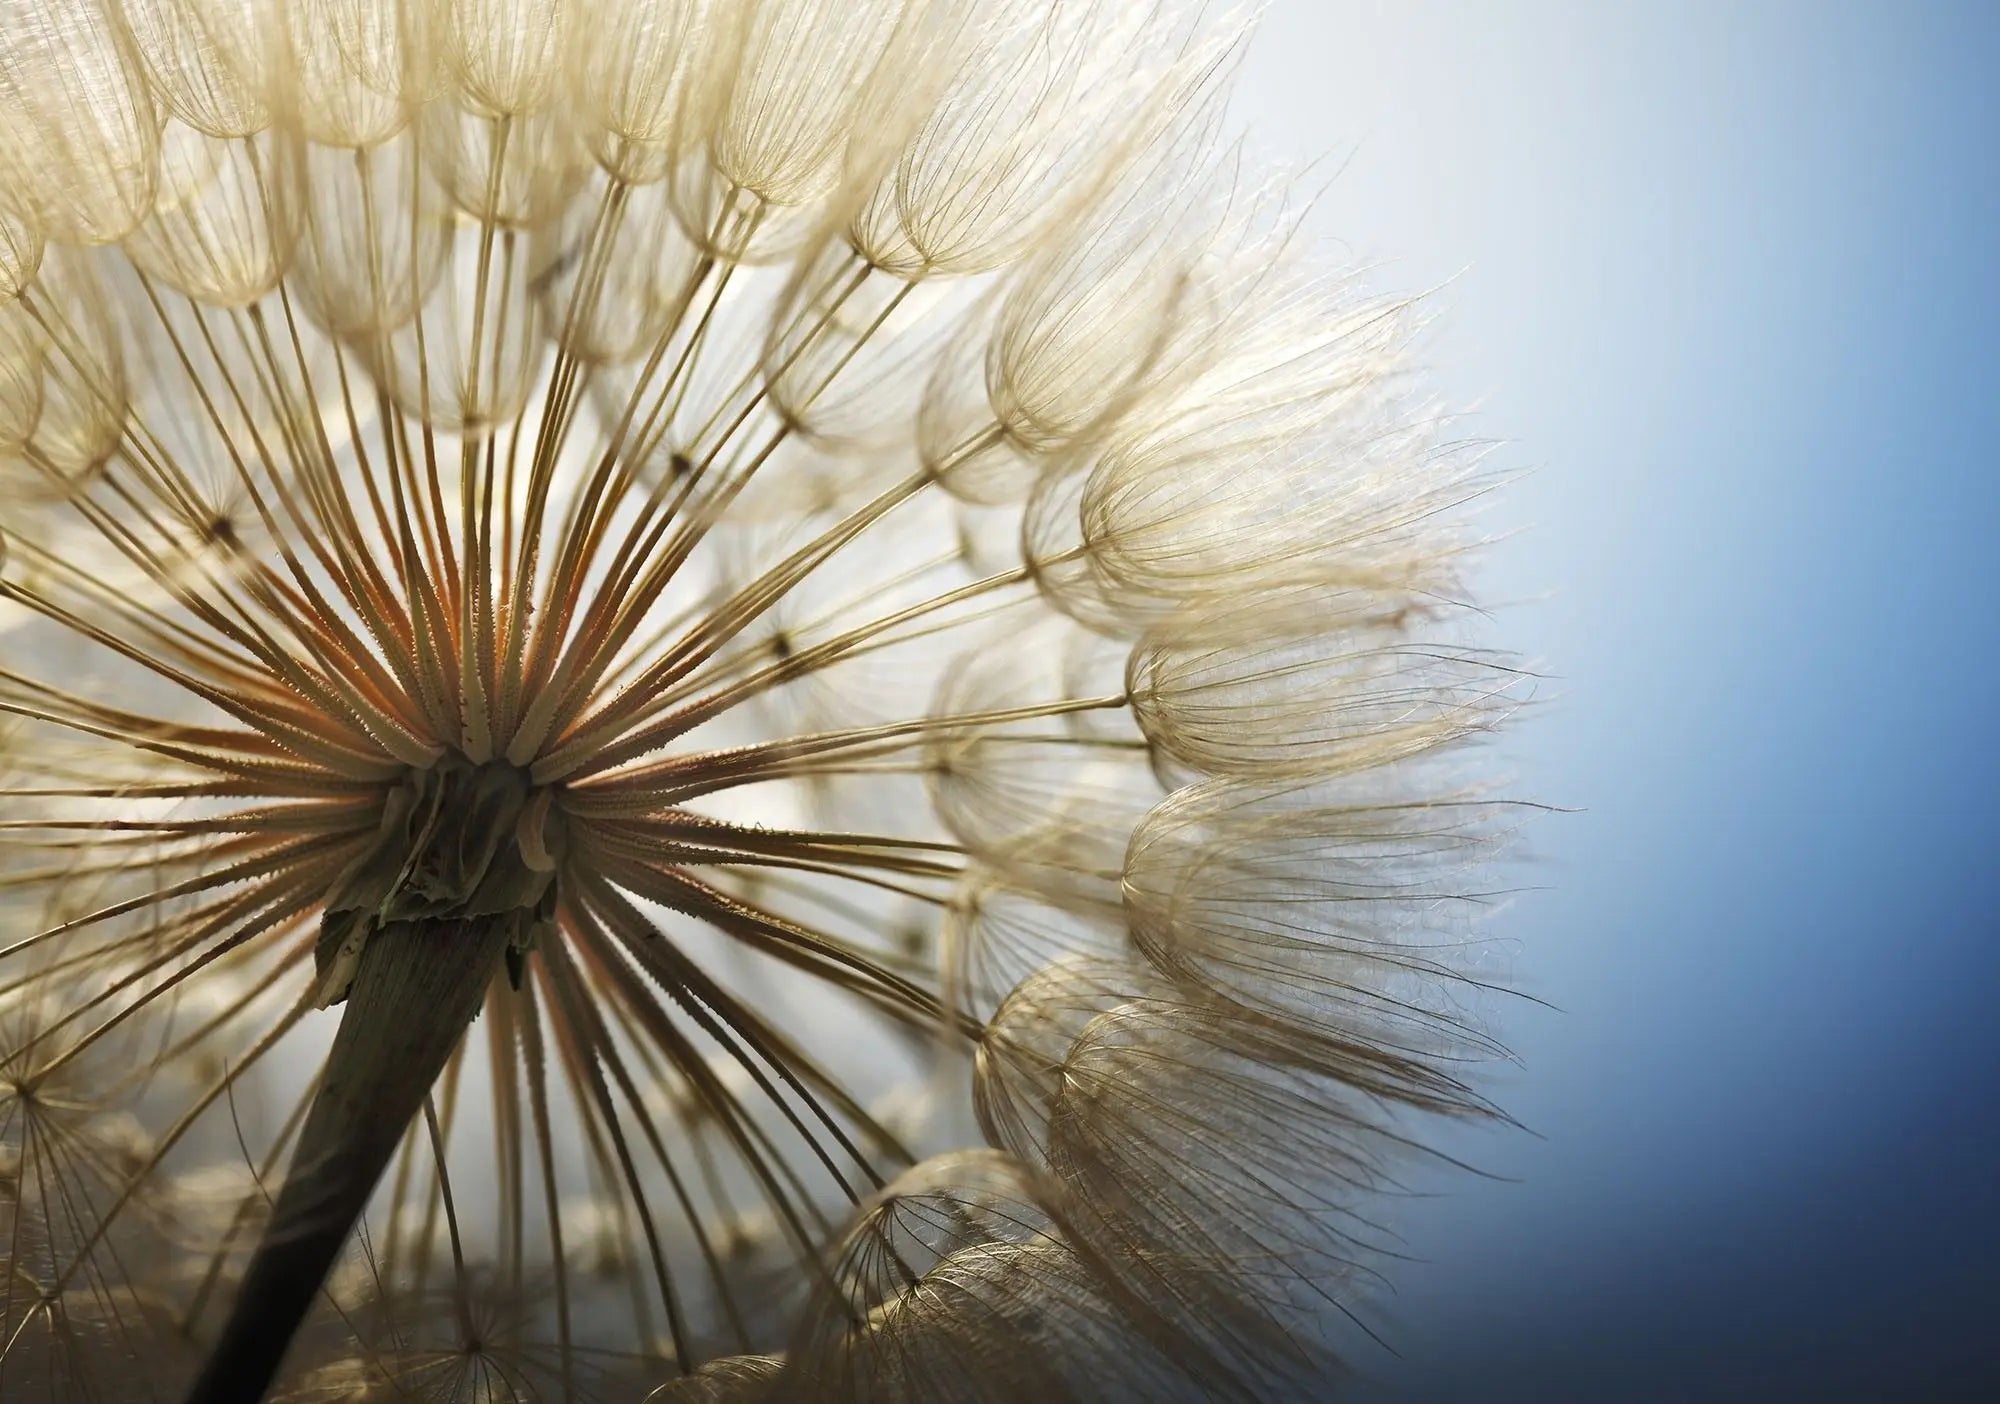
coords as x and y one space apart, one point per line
713 700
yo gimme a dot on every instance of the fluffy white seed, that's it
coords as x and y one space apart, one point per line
77 118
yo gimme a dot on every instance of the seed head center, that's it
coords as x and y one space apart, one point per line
457 840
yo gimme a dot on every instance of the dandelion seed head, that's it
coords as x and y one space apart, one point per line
754 693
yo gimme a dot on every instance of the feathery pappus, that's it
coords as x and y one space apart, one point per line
708 700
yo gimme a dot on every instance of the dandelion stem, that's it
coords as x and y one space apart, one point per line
417 987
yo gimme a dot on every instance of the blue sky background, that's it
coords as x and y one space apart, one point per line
1724 277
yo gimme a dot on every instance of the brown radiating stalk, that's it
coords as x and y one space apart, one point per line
417 987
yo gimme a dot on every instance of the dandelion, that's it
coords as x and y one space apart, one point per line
748 698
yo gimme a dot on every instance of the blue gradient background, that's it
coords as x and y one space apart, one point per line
1724 277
